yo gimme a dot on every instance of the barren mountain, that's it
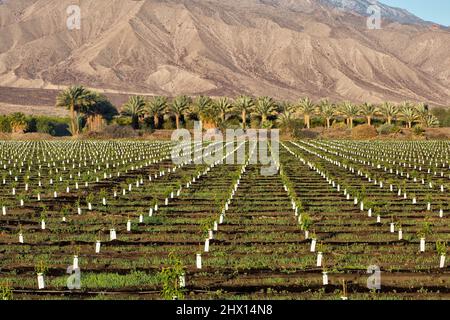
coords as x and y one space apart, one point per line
283 48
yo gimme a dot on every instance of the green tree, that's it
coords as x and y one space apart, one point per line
285 121
327 111
18 122
389 111
431 121
422 112
442 115
76 99
307 108
223 106
244 105
264 107
369 111
155 107
350 112
101 109
134 108
408 114
203 107
178 107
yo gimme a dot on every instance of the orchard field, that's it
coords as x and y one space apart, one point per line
130 224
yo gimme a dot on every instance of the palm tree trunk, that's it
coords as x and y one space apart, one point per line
307 121
369 120
409 124
389 120
156 121
77 124
350 120
98 122
263 119
177 120
72 118
328 123
244 119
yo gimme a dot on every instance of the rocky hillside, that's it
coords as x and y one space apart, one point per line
283 48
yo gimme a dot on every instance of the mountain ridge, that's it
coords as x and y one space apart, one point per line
224 48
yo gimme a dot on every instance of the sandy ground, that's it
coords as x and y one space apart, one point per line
33 110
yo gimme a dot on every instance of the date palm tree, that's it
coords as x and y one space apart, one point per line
134 108
389 111
18 122
203 107
327 111
75 99
264 107
350 112
285 120
223 106
431 121
408 114
286 106
178 107
102 109
154 108
307 108
422 111
369 111
244 105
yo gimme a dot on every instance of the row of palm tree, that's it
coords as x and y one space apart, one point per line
216 111
407 112
94 108
208 110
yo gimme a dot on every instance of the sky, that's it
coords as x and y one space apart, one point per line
430 10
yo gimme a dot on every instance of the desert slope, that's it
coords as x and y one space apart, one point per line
283 48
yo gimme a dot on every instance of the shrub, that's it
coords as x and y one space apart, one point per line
233 123
388 129
441 248
418 130
122 121
118 131
254 123
50 125
317 122
168 125
443 115
292 127
267 124
305 134
339 125
170 278
364 132
5 125
41 124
